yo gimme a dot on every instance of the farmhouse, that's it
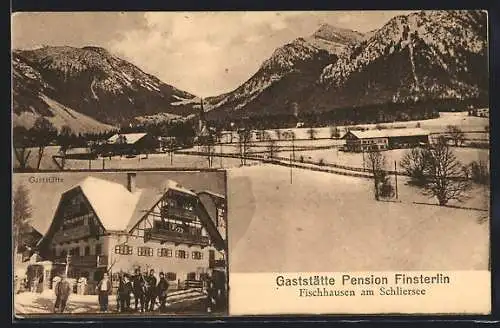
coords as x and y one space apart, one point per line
105 226
129 143
385 139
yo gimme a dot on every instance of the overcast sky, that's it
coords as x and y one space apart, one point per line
205 53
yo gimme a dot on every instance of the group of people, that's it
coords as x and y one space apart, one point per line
146 289
149 293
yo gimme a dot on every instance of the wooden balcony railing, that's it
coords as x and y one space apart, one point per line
176 237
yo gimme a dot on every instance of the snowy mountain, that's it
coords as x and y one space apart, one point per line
91 82
429 56
277 85
425 55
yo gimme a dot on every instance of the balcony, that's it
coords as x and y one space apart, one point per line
217 264
88 261
180 213
163 235
75 233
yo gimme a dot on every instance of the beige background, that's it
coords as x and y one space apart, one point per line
469 292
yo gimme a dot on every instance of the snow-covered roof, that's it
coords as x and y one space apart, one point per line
130 138
387 133
118 209
111 201
211 193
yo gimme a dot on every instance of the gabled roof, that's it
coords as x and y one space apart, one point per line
118 209
112 202
386 133
130 138
150 197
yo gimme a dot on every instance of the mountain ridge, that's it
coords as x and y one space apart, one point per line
423 56
93 82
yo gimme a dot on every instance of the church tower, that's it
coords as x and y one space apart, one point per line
201 119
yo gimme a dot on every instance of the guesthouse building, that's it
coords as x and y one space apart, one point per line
106 226
129 144
358 141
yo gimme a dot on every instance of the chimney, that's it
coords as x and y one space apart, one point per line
131 182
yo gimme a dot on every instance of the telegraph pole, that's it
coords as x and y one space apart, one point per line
291 168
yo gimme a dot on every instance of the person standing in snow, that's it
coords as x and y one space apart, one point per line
104 288
124 292
62 290
162 291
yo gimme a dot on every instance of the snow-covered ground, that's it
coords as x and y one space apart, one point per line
43 303
327 222
334 156
435 125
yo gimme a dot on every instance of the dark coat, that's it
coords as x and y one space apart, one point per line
125 289
63 289
138 283
162 287
152 284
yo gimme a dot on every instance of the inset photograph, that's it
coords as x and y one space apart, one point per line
129 243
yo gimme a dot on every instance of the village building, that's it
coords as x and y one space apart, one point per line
358 141
129 144
108 227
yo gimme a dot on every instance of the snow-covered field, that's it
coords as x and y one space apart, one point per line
334 156
326 222
153 161
435 125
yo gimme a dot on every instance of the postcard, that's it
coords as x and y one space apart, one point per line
355 146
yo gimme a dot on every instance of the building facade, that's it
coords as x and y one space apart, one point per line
106 227
129 144
358 141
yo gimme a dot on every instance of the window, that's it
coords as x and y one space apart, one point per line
191 276
75 251
123 249
98 249
87 250
164 252
144 251
197 255
181 254
171 276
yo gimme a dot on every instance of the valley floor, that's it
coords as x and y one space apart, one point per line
326 222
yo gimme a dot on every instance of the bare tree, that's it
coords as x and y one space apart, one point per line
21 214
334 132
43 133
21 141
444 174
244 144
377 162
455 134
65 143
278 134
208 148
415 162
312 133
